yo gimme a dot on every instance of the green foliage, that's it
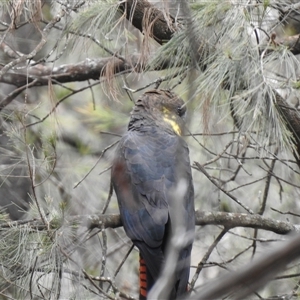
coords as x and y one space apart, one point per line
225 206
98 18
95 14
237 63
102 118
266 3
296 85
32 245
171 54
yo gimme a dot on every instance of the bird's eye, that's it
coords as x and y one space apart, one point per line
181 110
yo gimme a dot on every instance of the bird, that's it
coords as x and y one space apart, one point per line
151 176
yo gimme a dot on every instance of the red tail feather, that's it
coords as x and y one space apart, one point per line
143 278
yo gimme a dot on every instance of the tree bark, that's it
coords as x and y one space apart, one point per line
292 119
203 218
142 13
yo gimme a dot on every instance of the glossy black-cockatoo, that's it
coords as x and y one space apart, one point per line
151 175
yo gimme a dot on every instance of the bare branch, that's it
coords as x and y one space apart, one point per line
252 276
38 48
82 71
206 256
11 96
200 168
228 220
232 220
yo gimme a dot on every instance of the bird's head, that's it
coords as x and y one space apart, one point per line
162 107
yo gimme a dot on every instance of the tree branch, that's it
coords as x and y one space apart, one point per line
84 70
232 220
228 220
292 118
162 26
254 275
291 42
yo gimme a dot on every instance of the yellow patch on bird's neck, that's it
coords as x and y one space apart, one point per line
171 119
174 125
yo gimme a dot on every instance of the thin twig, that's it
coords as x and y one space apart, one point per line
94 166
206 257
198 167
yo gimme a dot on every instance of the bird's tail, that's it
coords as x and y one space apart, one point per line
143 279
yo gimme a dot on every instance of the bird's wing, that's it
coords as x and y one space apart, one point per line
147 169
